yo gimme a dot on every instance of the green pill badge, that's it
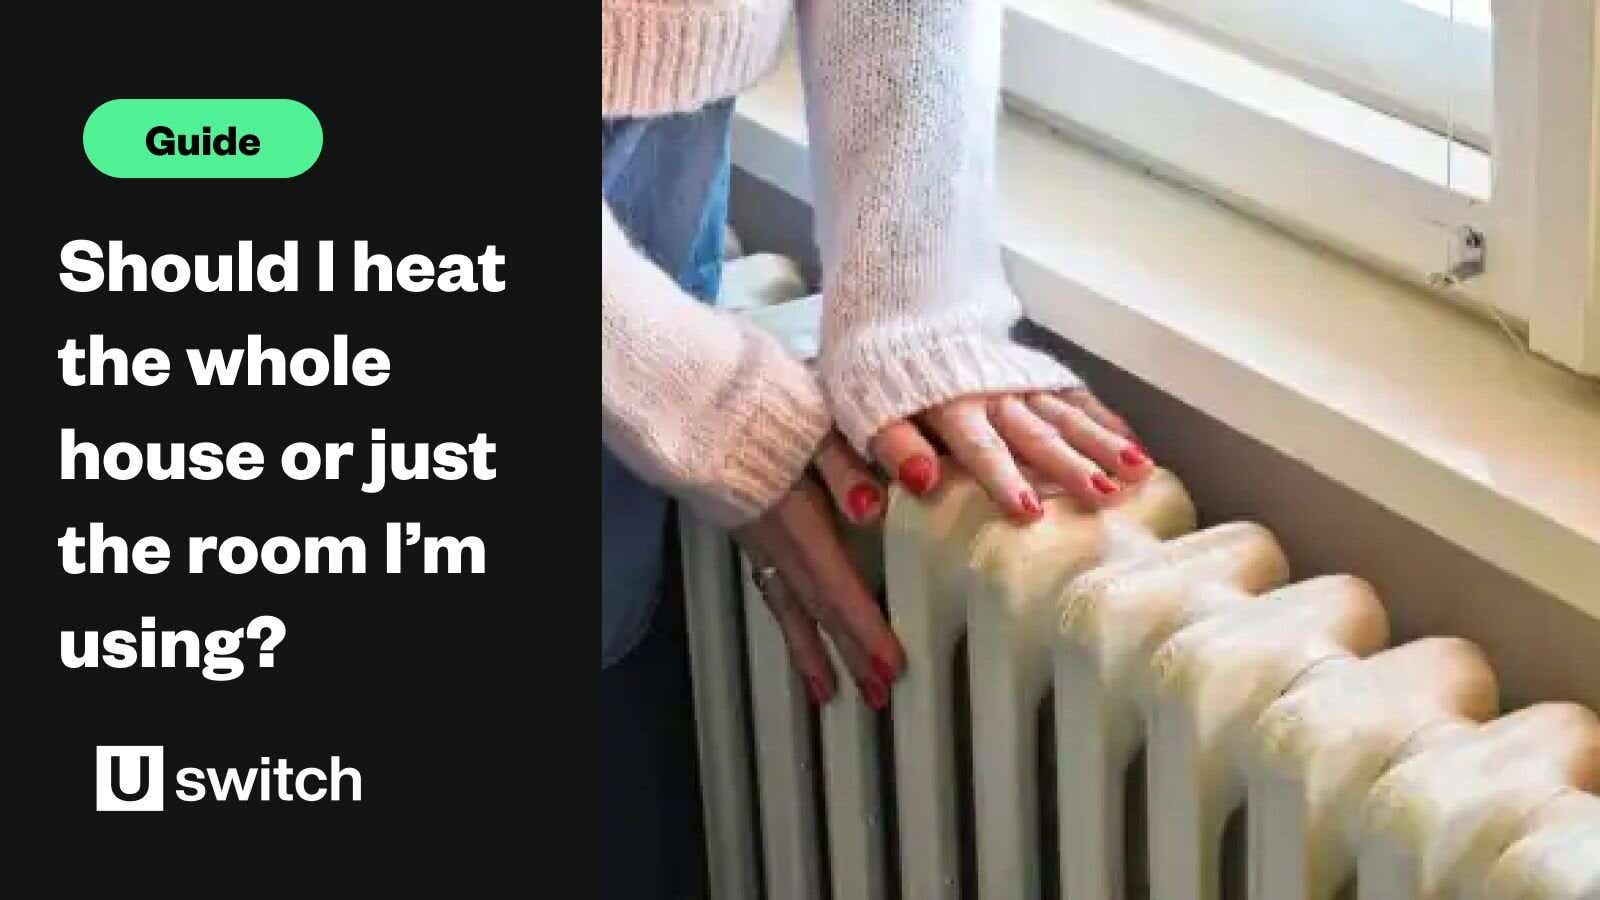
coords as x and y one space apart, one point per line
202 138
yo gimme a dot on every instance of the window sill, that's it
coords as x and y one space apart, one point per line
1426 410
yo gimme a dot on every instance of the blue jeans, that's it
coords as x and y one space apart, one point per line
666 180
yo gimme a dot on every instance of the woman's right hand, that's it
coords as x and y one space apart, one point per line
809 579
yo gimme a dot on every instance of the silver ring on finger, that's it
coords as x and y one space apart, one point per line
764 577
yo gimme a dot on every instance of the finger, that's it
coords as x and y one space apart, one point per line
856 491
1111 451
765 544
1089 403
800 635
871 686
965 428
901 448
872 678
1038 443
833 591
795 566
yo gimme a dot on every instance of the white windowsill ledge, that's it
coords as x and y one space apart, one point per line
1430 412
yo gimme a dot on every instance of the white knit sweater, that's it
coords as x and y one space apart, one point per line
901 101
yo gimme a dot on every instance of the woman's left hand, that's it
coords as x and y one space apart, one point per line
1068 438
811 580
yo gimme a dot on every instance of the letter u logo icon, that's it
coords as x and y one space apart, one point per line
129 778
116 779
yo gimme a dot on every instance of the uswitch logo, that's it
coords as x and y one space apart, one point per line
132 778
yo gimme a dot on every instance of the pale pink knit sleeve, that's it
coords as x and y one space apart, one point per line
902 98
709 408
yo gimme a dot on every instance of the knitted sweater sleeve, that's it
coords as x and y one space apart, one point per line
709 408
902 98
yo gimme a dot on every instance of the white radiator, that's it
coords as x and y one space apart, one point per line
1356 771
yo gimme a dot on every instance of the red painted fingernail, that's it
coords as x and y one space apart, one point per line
874 693
815 688
882 669
863 499
918 473
1133 455
1030 504
1103 484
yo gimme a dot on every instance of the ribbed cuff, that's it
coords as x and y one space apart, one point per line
780 418
871 383
665 58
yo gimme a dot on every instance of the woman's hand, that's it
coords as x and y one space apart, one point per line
1068 438
808 578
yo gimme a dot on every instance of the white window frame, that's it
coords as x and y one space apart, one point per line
1344 174
1547 188
1407 58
